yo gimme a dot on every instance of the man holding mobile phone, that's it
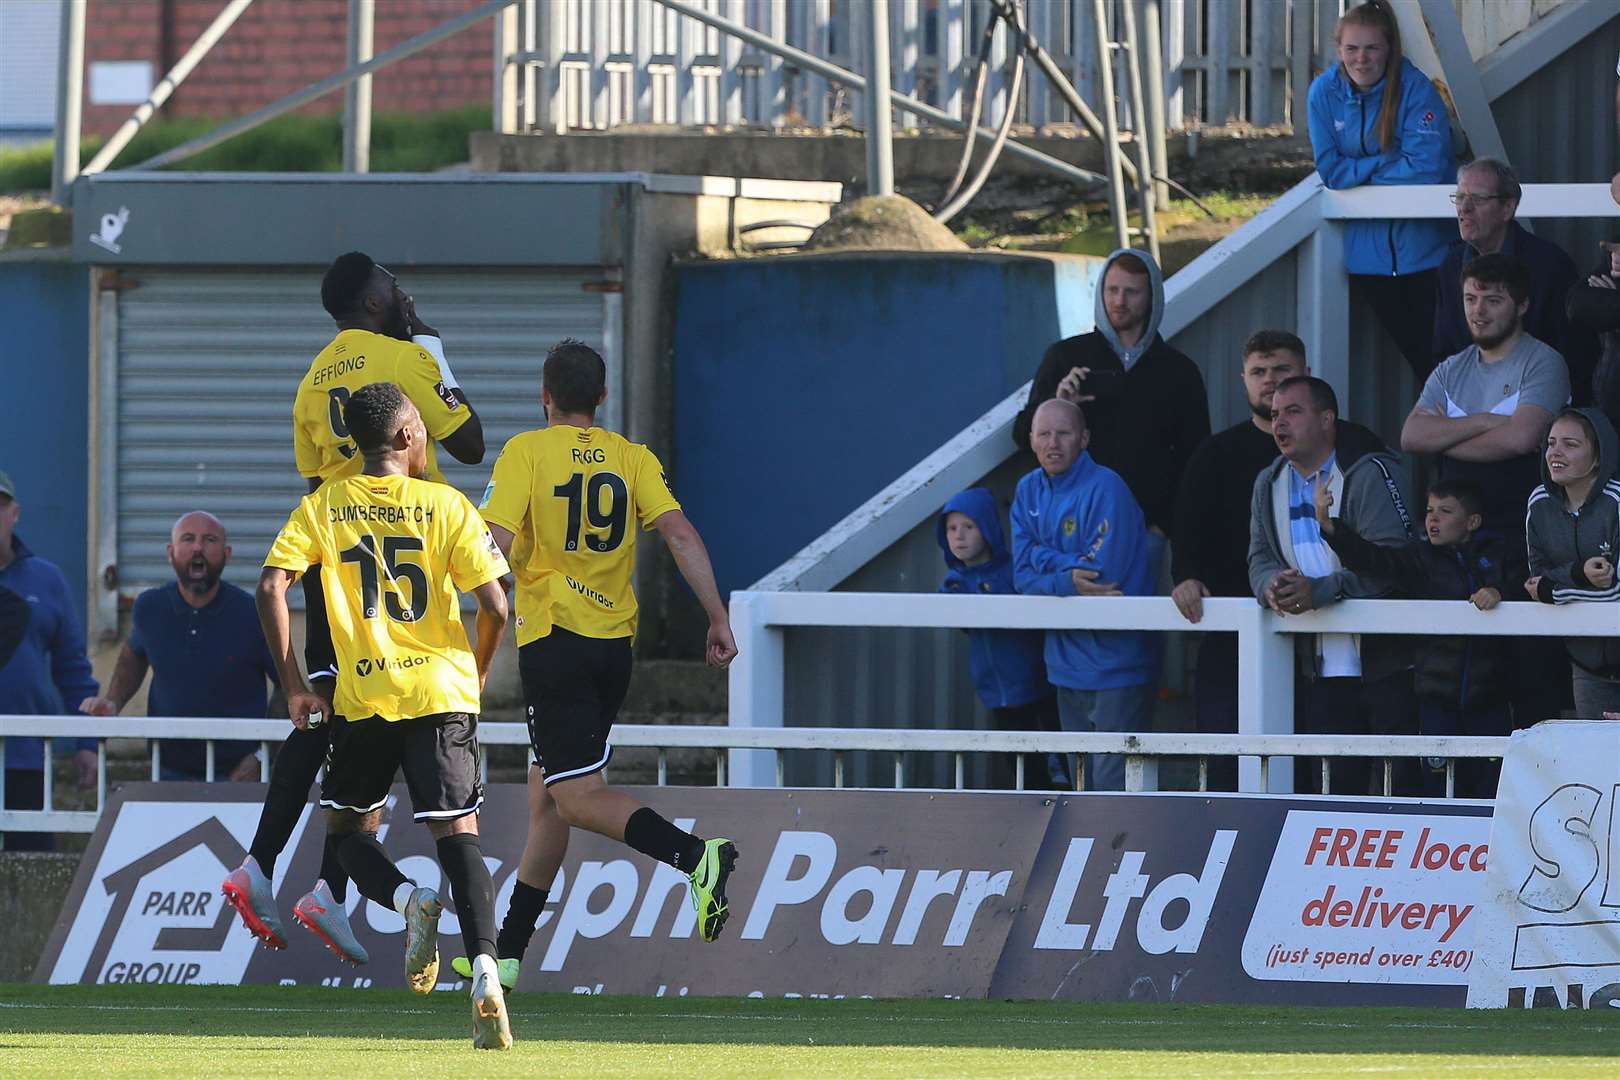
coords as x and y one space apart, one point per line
1145 402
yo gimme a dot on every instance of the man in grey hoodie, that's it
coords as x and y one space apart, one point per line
1573 531
1145 402
1353 685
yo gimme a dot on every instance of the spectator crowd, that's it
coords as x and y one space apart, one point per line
1297 507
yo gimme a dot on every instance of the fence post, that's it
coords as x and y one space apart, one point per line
1175 60
952 38
1322 305
755 686
507 42
731 104
357 95
1265 696
773 98
555 31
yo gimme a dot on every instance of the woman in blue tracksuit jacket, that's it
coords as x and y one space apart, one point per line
1376 119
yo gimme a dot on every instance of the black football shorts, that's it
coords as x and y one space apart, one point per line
438 755
573 687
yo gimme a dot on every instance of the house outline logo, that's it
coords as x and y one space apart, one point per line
121 885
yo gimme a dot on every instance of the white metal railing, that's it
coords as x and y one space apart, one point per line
1141 751
597 64
1265 645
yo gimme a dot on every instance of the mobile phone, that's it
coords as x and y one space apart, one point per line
1104 384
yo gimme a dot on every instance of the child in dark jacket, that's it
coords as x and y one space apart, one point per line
1460 681
1008 668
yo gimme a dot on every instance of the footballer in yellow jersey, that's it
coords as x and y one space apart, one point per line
380 339
394 549
565 503
392 552
380 336
579 494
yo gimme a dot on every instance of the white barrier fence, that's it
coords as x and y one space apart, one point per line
1141 751
598 64
1265 650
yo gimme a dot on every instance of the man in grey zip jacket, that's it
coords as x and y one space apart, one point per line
1561 545
1353 685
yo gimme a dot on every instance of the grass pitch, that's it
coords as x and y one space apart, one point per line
313 1032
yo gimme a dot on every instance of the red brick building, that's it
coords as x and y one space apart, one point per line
275 48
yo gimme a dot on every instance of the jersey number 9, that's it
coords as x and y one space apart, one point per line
336 399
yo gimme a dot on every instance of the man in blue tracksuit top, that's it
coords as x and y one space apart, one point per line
47 674
1078 532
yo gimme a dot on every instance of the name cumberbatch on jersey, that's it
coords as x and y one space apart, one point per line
389 515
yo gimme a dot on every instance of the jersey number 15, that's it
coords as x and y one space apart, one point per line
364 555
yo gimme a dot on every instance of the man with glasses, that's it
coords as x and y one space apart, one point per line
380 338
1487 200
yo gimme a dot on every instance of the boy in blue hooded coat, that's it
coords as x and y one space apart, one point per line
1008 669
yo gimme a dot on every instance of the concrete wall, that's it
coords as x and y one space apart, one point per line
1488 24
804 384
1223 160
33 886
45 356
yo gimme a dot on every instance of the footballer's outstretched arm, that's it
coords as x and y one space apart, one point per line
276 621
492 613
692 558
466 443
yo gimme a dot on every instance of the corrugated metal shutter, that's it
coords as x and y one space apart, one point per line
208 362
28 45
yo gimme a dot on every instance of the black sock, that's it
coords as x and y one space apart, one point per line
374 873
332 872
652 835
524 912
291 774
472 889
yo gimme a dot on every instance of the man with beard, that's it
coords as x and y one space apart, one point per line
1484 414
380 338
200 638
1144 400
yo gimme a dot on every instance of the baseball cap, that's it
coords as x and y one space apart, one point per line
6 487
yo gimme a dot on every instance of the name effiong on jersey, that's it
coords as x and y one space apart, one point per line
338 369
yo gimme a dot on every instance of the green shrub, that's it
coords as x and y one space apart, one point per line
294 143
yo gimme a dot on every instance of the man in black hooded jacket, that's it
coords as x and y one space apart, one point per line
1145 402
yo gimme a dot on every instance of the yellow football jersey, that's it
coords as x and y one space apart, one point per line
393 551
570 496
321 444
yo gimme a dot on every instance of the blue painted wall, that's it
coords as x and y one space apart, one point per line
805 384
44 437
